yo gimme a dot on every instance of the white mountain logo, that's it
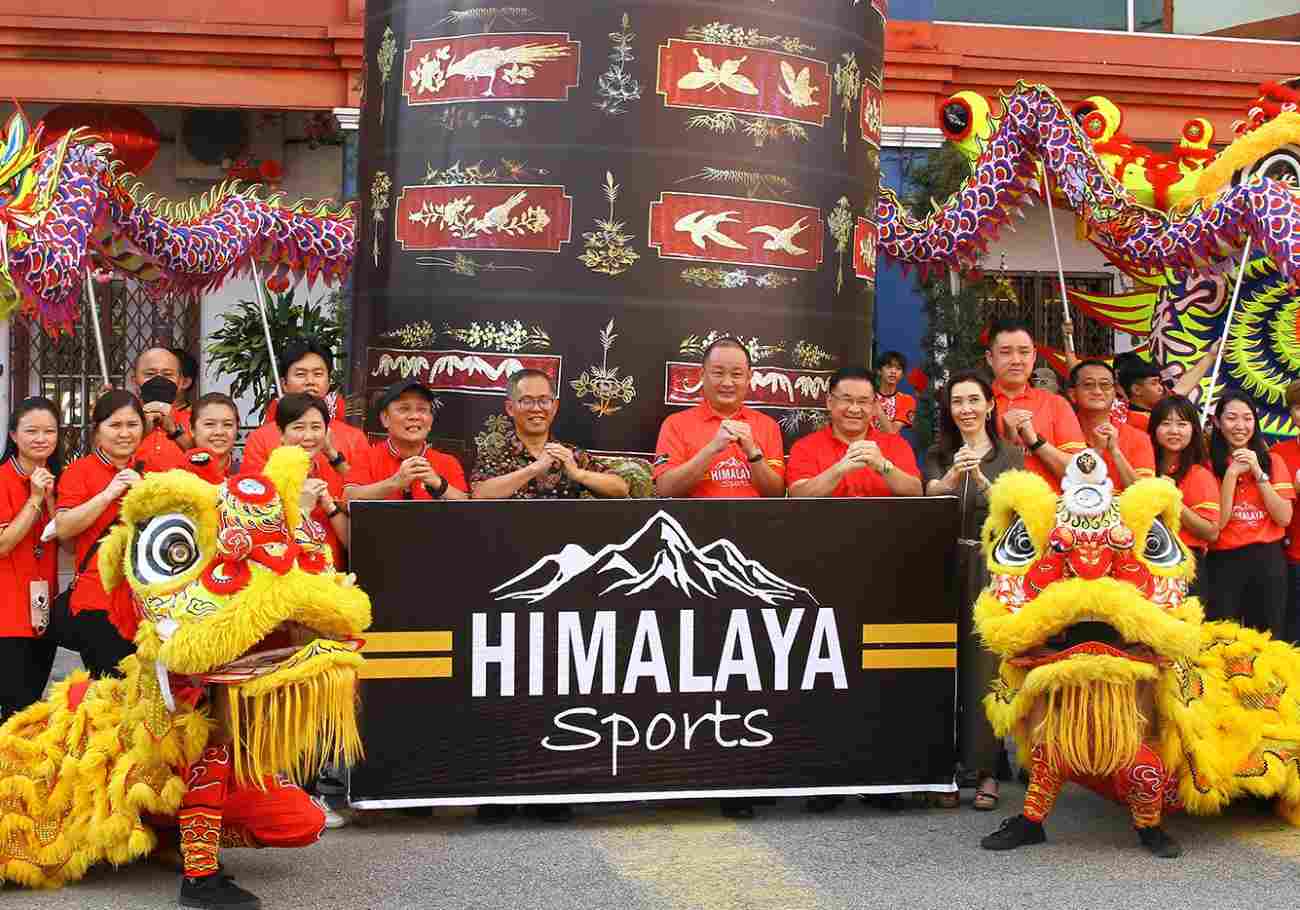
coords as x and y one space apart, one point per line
669 556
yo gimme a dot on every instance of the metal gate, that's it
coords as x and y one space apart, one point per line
1038 302
66 369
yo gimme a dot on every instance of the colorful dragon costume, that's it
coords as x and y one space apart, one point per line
64 207
245 674
1176 224
1109 676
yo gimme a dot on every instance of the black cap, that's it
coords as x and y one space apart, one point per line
397 391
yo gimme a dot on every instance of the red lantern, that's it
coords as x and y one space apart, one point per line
133 135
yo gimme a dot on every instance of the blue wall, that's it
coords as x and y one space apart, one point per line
916 10
900 317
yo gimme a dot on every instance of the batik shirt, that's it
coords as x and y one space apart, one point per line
501 451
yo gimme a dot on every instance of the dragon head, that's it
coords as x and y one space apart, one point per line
1087 603
234 591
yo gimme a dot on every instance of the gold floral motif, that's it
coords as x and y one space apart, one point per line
485 17
507 336
761 129
752 182
457 174
848 84
807 354
697 344
607 249
467 266
379 188
794 421
603 382
457 217
385 58
725 33
615 87
840 224
726 279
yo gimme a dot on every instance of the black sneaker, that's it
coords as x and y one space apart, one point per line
1016 831
215 892
819 805
1159 843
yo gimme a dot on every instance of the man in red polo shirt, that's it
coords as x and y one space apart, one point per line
849 456
405 466
1041 423
1126 450
720 448
305 367
157 374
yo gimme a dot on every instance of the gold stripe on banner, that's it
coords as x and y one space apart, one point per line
917 633
909 659
381 642
406 668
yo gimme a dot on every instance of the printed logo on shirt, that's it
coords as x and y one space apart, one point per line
1248 514
730 472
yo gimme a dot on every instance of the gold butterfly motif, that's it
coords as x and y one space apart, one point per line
798 90
710 76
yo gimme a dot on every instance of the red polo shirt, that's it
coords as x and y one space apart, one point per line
266 438
383 461
80 482
687 432
899 407
1250 522
1200 494
1289 452
159 453
1139 420
1054 421
821 449
320 467
1137 449
20 567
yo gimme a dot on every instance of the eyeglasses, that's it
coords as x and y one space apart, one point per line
853 402
1095 386
540 403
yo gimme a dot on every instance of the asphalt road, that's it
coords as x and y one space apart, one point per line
686 857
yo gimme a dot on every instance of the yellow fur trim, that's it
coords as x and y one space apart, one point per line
287 468
1094 728
1171 633
1024 495
1139 507
1284 129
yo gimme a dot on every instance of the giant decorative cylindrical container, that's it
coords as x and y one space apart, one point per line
597 190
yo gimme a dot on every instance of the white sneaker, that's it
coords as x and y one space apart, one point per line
333 820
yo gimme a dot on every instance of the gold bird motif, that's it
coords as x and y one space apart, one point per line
782 239
703 227
484 63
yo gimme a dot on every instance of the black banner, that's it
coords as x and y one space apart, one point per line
588 651
598 190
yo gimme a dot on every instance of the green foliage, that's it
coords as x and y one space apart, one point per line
953 322
238 348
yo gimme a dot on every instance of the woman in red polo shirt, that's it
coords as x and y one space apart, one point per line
304 420
90 495
1175 428
29 569
1247 578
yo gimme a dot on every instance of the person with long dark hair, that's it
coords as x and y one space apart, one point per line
29 568
90 495
1246 571
1175 428
965 460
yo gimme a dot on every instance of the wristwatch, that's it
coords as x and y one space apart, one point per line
756 457
887 468
337 460
176 433
441 489
335 511
1037 444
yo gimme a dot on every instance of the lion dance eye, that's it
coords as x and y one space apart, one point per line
165 547
1015 548
1161 548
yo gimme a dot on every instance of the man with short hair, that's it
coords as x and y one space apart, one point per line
528 463
897 409
1041 423
720 448
849 456
405 466
1143 384
305 367
1127 450
156 375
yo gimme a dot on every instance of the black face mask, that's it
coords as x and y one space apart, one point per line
160 388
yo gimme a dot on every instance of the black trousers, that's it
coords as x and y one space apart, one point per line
91 635
1249 585
1293 606
25 665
